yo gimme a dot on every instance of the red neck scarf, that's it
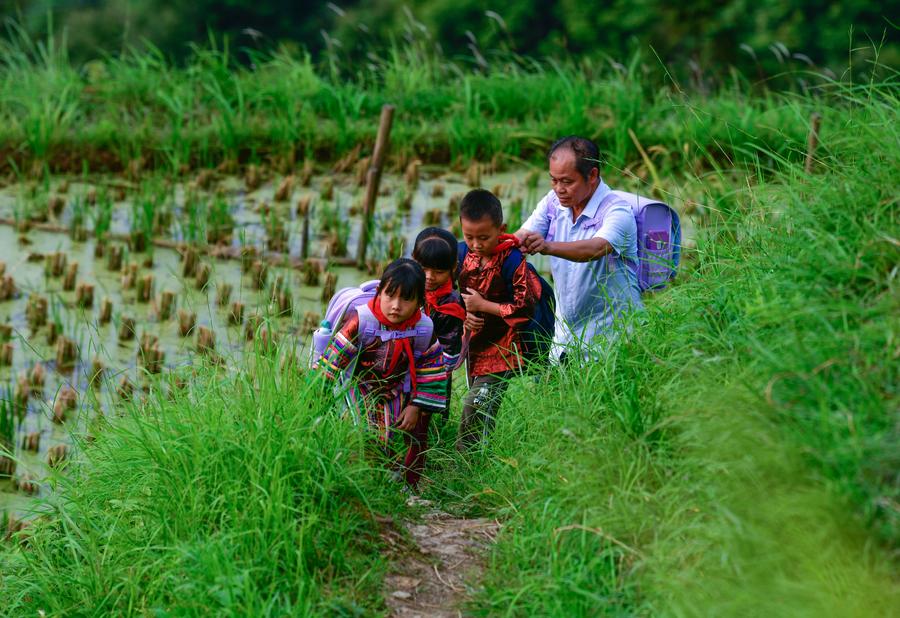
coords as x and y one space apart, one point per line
452 309
507 241
402 345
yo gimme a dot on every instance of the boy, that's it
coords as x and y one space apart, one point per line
495 311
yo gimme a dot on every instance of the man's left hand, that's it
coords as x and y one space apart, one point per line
532 243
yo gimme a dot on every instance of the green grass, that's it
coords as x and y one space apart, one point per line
114 110
236 496
735 455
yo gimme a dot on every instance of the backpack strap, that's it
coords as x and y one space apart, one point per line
370 330
368 326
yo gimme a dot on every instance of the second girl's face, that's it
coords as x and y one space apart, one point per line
396 308
435 278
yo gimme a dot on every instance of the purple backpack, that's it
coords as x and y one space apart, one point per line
369 326
658 238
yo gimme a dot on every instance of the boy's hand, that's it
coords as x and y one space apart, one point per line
474 301
473 323
409 418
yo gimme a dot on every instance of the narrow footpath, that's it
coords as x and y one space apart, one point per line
436 564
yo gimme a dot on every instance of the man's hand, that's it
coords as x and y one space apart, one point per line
532 242
409 418
473 323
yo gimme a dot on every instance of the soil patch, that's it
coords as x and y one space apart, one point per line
436 566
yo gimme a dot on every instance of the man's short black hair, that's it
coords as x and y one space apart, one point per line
436 248
587 155
406 277
481 203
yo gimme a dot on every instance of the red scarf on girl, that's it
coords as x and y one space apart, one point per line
452 309
403 345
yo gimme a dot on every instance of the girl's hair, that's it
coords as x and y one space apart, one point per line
403 276
436 248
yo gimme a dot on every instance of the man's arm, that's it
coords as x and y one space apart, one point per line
612 237
577 250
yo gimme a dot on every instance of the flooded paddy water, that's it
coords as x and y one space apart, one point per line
107 283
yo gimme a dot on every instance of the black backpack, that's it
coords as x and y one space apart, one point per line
537 335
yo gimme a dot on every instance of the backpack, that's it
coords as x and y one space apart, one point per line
369 327
658 239
537 335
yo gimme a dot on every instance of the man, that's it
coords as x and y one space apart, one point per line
591 237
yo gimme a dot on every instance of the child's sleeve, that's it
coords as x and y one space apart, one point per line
524 295
431 379
342 349
451 333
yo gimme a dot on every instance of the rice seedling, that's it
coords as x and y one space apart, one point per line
114 258
67 353
66 401
206 340
259 273
186 322
57 455
236 313
126 328
223 294
71 276
84 295
285 189
204 271
31 442
220 222
105 314
166 304
252 177
8 426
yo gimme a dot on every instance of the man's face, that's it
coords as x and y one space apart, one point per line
572 189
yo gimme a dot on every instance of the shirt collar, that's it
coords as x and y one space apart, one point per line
593 205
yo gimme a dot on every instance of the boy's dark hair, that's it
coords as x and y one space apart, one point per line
405 276
587 155
480 203
436 248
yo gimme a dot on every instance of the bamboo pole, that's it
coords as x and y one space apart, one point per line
373 178
812 141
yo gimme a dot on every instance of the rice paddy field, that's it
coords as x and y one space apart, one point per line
169 236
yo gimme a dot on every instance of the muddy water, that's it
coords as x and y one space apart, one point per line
251 212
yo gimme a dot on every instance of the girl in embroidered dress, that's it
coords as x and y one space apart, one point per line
436 251
399 378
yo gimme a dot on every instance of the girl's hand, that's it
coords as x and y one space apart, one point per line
409 418
474 301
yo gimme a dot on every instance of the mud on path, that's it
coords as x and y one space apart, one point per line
436 565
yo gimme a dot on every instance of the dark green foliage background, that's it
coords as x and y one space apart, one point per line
694 37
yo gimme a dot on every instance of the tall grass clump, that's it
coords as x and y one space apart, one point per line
244 494
736 453
138 106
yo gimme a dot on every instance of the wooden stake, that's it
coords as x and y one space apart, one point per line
304 237
373 179
812 141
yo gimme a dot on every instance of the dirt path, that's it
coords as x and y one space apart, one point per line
433 575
